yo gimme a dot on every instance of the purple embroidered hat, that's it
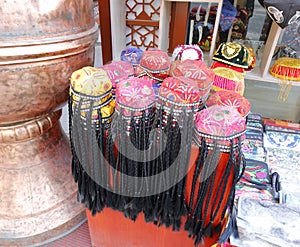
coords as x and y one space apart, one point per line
132 55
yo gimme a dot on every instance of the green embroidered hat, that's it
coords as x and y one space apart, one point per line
234 54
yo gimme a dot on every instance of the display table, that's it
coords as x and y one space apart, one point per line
111 229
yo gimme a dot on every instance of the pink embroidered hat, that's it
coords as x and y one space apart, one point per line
229 98
134 95
218 134
116 71
221 124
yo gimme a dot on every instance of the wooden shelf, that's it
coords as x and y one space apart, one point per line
164 23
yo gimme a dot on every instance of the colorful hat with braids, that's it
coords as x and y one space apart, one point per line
229 98
287 70
155 64
91 88
180 93
228 79
218 133
91 107
178 100
133 121
197 71
234 54
183 52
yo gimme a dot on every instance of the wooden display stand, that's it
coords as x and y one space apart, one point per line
110 228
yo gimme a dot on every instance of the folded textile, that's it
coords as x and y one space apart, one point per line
263 223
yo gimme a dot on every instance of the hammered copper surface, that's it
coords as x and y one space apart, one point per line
41 44
38 193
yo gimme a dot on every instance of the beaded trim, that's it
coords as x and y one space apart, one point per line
105 103
96 98
219 138
153 77
105 122
222 148
138 117
154 71
135 109
201 101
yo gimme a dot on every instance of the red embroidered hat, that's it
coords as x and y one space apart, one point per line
195 70
156 64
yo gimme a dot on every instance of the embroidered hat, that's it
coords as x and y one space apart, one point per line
134 94
229 98
220 123
286 69
218 134
195 70
183 52
231 53
90 89
180 92
155 64
132 55
133 121
217 64
228 79
116 71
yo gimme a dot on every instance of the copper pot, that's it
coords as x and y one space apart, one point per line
41 43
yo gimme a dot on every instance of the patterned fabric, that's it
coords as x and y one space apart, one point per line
228 79
282 12
132 55
180 91
282 140
183 52
195 70
229 98
220 123
135 94
118 70
86 82
93 87
155 61
228 14
286 68
231 53
251 58
217 64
